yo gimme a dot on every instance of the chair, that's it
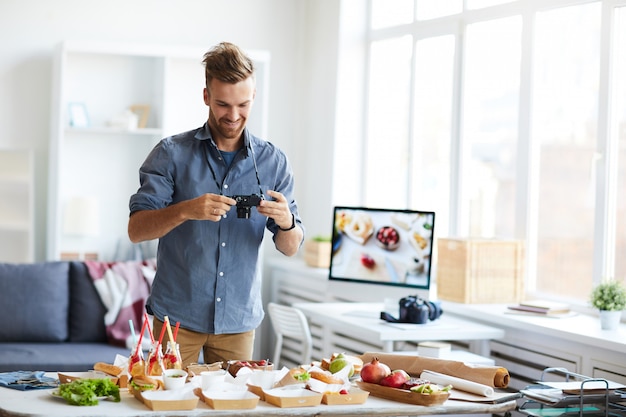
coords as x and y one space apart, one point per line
291 323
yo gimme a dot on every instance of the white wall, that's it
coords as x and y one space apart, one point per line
301 36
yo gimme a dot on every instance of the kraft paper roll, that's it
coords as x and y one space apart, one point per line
458 383
493 376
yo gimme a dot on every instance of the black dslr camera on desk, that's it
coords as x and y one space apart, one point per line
245 202
415 310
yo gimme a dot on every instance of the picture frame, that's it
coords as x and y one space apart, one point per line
78 116
143 111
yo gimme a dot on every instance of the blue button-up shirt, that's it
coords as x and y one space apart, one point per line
208 274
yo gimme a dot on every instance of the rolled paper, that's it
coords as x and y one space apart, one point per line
493 376
458 383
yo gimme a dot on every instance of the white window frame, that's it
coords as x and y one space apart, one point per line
527 179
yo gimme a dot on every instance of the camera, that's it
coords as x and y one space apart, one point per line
416 310
245 202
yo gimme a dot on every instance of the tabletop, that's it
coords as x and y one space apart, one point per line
41 403
363 320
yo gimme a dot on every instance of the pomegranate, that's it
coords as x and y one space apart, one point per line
396 379
374 371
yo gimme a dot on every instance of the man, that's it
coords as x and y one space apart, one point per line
208 276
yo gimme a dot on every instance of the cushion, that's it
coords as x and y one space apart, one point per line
53 357
86 308
35 302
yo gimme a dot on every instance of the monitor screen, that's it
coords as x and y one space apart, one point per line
382 246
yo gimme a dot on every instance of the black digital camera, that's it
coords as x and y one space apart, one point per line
245 202
416 310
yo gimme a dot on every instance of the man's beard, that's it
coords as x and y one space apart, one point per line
226 130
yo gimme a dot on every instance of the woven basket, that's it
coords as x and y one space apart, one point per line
480 271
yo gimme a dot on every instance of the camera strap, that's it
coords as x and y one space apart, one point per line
388 317
256 169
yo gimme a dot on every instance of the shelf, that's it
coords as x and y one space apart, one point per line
95 85
113 131
590 397
16 205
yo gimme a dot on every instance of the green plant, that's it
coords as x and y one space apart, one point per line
609 296
320 238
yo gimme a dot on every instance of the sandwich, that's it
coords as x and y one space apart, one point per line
107 368
300 374
142 383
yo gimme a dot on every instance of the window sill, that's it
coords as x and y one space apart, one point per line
579 328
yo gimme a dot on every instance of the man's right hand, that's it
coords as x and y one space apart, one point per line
208 207
153 224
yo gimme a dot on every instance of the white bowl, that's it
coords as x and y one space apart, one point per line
174 379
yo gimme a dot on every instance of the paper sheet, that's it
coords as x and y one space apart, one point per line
458 383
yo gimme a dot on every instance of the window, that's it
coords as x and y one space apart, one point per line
565 119
504 117
617 135
429 166
489 126
388 123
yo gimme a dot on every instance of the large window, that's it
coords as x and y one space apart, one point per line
489 126
617 133
565 121
508 119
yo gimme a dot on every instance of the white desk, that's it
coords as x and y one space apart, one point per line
40 403
361 320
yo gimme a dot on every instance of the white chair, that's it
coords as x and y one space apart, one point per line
291 323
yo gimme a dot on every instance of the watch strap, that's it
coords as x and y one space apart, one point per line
293 224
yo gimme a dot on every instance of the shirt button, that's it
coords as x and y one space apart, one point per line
218 299
221 274
225 185
223 244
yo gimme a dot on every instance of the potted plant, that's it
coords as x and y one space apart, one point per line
610 298
317 251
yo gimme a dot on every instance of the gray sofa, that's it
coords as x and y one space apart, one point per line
51 319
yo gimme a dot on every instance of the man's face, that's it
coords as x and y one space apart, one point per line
229 106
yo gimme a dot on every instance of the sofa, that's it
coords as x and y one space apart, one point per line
52 319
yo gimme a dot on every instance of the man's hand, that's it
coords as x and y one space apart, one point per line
286 241
153 224
208 207
277 209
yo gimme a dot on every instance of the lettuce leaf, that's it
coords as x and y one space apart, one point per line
87 391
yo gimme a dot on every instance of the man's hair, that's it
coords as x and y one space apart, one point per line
227 63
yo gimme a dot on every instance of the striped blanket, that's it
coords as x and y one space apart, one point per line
123 288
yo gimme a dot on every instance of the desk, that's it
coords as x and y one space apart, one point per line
40 403
361 321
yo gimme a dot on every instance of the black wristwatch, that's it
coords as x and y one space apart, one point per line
293 224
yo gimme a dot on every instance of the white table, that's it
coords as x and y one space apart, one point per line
40 403
362 321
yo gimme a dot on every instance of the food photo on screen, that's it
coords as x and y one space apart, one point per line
382 246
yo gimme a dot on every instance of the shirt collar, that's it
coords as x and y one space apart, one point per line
204 133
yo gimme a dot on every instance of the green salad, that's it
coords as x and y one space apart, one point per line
87 391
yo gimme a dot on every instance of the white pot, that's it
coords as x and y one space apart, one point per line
609 320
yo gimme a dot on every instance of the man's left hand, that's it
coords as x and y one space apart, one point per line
277 209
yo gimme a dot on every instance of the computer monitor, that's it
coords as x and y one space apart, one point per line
389 248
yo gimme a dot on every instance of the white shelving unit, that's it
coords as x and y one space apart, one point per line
16 206
99 162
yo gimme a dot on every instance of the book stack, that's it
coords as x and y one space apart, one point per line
434 349
541 308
